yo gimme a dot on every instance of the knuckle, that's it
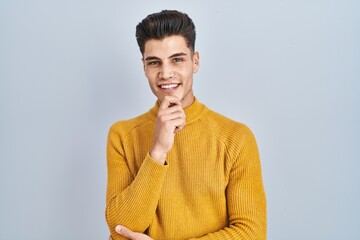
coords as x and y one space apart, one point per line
160 112
161 118
166 124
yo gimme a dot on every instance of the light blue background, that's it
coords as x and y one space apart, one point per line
288 69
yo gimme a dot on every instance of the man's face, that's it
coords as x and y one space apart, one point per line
169 66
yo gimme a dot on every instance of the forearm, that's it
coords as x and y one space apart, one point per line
247 230
247 220
135 206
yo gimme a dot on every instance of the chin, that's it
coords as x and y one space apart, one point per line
178 95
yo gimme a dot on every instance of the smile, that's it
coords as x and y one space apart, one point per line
169 86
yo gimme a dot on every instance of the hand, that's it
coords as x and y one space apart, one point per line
125 232
170 120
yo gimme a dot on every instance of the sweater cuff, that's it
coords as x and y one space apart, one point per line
151 173
149 156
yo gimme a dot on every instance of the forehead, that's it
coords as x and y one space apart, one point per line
165 47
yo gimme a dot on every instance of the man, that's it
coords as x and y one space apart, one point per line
180 170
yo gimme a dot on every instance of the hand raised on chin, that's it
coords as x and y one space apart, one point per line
170 119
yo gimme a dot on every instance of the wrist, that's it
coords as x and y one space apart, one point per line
158 156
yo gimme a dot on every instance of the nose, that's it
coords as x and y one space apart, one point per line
166 72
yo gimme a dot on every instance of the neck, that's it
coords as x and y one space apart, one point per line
187 102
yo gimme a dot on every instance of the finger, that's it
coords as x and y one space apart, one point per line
178 124
168 110
177 129
110 238
125 232
169 101
168 113
172 116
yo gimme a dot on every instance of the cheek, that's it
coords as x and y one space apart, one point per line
188 73
186 70
150 76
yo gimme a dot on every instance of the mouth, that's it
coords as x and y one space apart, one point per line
169 87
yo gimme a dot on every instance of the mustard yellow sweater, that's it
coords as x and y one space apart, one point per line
210 188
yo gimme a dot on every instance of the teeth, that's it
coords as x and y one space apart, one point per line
169 86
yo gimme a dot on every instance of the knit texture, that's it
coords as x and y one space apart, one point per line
210 187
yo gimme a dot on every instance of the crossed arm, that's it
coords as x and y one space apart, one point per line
244 194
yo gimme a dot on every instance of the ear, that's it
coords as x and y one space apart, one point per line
143 62
196 61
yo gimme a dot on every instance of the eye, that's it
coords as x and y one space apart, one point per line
153 63
178 60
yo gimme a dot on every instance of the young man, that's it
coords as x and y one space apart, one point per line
181 170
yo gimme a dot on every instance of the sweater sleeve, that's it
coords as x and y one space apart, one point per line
245 196
131 200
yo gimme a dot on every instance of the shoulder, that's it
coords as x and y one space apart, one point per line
125 127
235 136
224 126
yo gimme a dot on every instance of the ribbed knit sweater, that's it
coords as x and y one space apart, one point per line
209 188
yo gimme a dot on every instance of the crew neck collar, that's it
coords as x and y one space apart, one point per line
193 112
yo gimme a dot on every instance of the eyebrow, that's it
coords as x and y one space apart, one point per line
178 55
149 58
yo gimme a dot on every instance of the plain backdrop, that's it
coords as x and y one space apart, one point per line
69 69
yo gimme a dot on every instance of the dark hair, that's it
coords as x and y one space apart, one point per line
164 24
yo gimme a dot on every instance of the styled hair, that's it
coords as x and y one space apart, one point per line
165 24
